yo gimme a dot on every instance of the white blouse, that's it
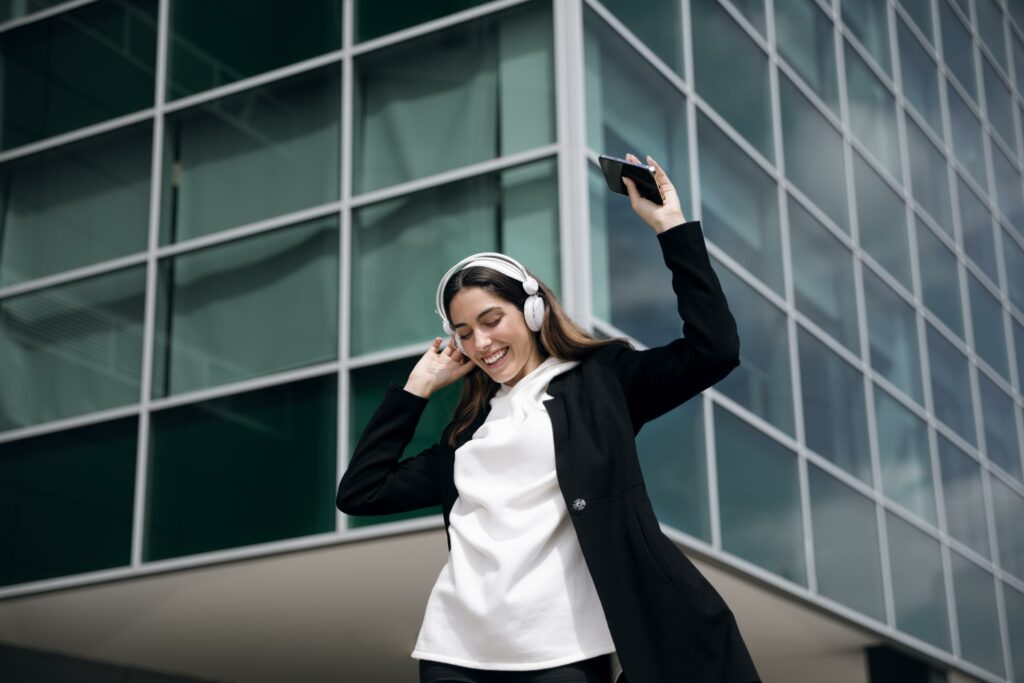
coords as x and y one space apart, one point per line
515 593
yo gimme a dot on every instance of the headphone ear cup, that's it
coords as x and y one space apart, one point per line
533 310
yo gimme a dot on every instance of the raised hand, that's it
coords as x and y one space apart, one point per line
660 217
436 370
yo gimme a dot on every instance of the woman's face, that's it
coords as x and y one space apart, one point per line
488 324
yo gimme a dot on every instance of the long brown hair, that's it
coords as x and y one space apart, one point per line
559 336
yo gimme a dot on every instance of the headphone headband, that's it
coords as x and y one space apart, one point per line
490 259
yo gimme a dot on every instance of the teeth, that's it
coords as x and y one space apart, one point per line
496 357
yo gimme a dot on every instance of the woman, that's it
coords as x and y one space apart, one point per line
557 569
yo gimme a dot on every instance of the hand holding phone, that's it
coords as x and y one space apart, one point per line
641 174
651 194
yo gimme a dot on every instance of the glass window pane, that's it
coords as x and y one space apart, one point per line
1015 625
1018 342
482 89
882 220
963 497
833 400
940 281
75 205
813 152
968 143
823 277
745 224
867 20
759 497
762 382
920 78
71 349
990 28
283 454
977 619
919 591
215 43
920 12
892 335
1008 188
12 9
979 240
905 457
872 111
421 235
659 26
958 48
1001 445
250 156
66 501
753 10
617 78
732 74
928 177
674 463
230 312
1014 255
374 18
987 321
1018 56
999 100
805 38
76 68
1008 510
949 378
846 549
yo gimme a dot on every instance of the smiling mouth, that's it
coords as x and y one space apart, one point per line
504 355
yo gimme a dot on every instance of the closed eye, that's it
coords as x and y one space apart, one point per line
466 336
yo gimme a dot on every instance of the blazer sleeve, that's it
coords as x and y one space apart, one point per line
375 482
657 380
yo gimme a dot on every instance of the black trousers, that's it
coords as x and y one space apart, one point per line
593 670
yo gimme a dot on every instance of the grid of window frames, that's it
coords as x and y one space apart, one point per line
199 213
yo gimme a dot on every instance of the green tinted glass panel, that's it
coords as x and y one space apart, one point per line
846 549
892 336
616 79
1000 104
657 23
905 457
919 592
762 381
250 156
833 398
958 49
928 177
76 68
805 39
823 277
977 619
745 224
964 497
460 96
1015 626
74 205
1013 253
997 410
976 224
759 497
987 321
214 43
1008 510
66 501
368 386
867 20
732 74
674 463
374 18
967 136
882 220
242 469
11 9
1008 190
940 281
950 379
514 212
872 112
920 78
249 307
71 349
920 12
990 28
753 10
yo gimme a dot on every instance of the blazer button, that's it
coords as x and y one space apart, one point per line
579 504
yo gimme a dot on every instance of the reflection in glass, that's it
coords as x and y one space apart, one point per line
12 9
976 225
833 400
250 156
762 381
482 89
905 457
958 49
212 460
230 312
75 205
872 110
374 18
990 28
421 235
76 68
882 221
987 321
823 277
963 497
940 281
967 137
1001 445
918 588
658 26
920 78
66 501
804 37
71 349
1008 510
732 74
759 498
813 152
846 548
977 619
892 336
928 177
867 20
745 224
1000 104
950 382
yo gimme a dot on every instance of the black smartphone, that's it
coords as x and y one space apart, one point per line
641 174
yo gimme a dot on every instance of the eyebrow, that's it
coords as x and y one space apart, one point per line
485 312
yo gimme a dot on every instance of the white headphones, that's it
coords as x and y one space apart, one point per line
533 309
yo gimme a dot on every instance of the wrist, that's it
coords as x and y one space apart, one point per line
418 389
668 222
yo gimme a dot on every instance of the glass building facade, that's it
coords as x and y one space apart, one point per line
222 221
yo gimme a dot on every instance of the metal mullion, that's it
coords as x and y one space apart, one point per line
46 13
815 99
850 480
735 136
869 59
752 418
808 205
996 378
1002 619
970 553
346 152
710 450
68 423
912 26
834 345
61 139
67 276
868 157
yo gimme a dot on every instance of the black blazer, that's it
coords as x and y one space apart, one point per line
668 623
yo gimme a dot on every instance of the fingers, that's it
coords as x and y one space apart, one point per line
634 194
